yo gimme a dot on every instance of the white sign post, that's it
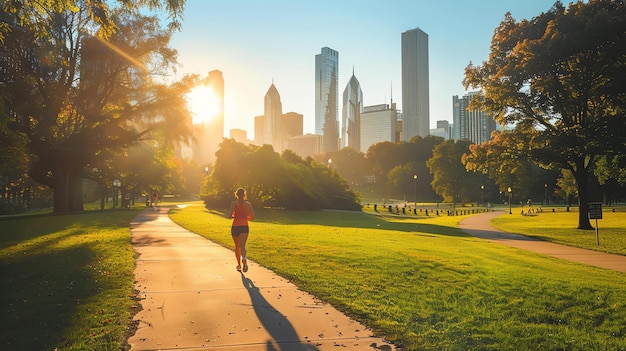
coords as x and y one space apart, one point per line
595 212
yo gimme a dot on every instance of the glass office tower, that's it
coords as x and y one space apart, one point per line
351 115
415 96
471 124
326 100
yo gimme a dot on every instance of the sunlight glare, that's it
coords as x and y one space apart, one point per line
204 104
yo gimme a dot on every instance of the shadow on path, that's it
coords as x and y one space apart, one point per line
278 326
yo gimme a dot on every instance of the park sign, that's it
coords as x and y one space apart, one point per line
595 212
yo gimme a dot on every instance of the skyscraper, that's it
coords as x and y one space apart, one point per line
473 125
443 130
216 82
351 115
378 124
415 96
210 133
273 114
292 125
259 130
326 99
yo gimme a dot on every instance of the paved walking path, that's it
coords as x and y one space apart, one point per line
194 299
479 226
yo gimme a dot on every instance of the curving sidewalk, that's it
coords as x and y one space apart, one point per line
192 298
479 226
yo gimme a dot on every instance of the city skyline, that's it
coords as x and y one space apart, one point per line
256 45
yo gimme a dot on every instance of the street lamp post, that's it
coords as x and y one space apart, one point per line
482 194
116 185
509 190
415 187
545 195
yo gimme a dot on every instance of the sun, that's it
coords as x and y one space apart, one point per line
203 104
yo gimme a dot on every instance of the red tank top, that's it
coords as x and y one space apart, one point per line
241 214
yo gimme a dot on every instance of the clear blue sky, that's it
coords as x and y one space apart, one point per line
256 42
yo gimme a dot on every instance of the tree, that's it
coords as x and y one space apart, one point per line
333 191
502 162
566 186
420 151
349 163
390 163
558 80
450 178
382 158
92 93
400 178
146 168
611 174
33 13
271 180
611 168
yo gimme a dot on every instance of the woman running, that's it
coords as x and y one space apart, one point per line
241 212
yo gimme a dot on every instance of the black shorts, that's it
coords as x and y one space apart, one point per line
236 230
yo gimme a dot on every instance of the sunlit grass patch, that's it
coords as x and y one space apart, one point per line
427 286
66 281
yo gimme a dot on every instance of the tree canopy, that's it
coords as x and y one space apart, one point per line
394 165
500 160
273 180
79 86
450 178
558 81
35 13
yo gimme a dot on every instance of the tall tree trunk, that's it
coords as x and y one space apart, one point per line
68 188
582 176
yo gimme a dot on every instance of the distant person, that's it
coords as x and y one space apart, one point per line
529 202
154 200
241 212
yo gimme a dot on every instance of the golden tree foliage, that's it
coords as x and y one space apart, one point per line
558 81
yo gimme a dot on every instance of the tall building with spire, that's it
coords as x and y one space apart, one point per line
326 99
415 86
351 114
273 114
274 127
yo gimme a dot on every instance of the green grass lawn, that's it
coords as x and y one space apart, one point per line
425 285
560 227
67 281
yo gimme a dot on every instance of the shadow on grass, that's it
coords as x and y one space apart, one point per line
46 282
16 230
40 294
350 219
